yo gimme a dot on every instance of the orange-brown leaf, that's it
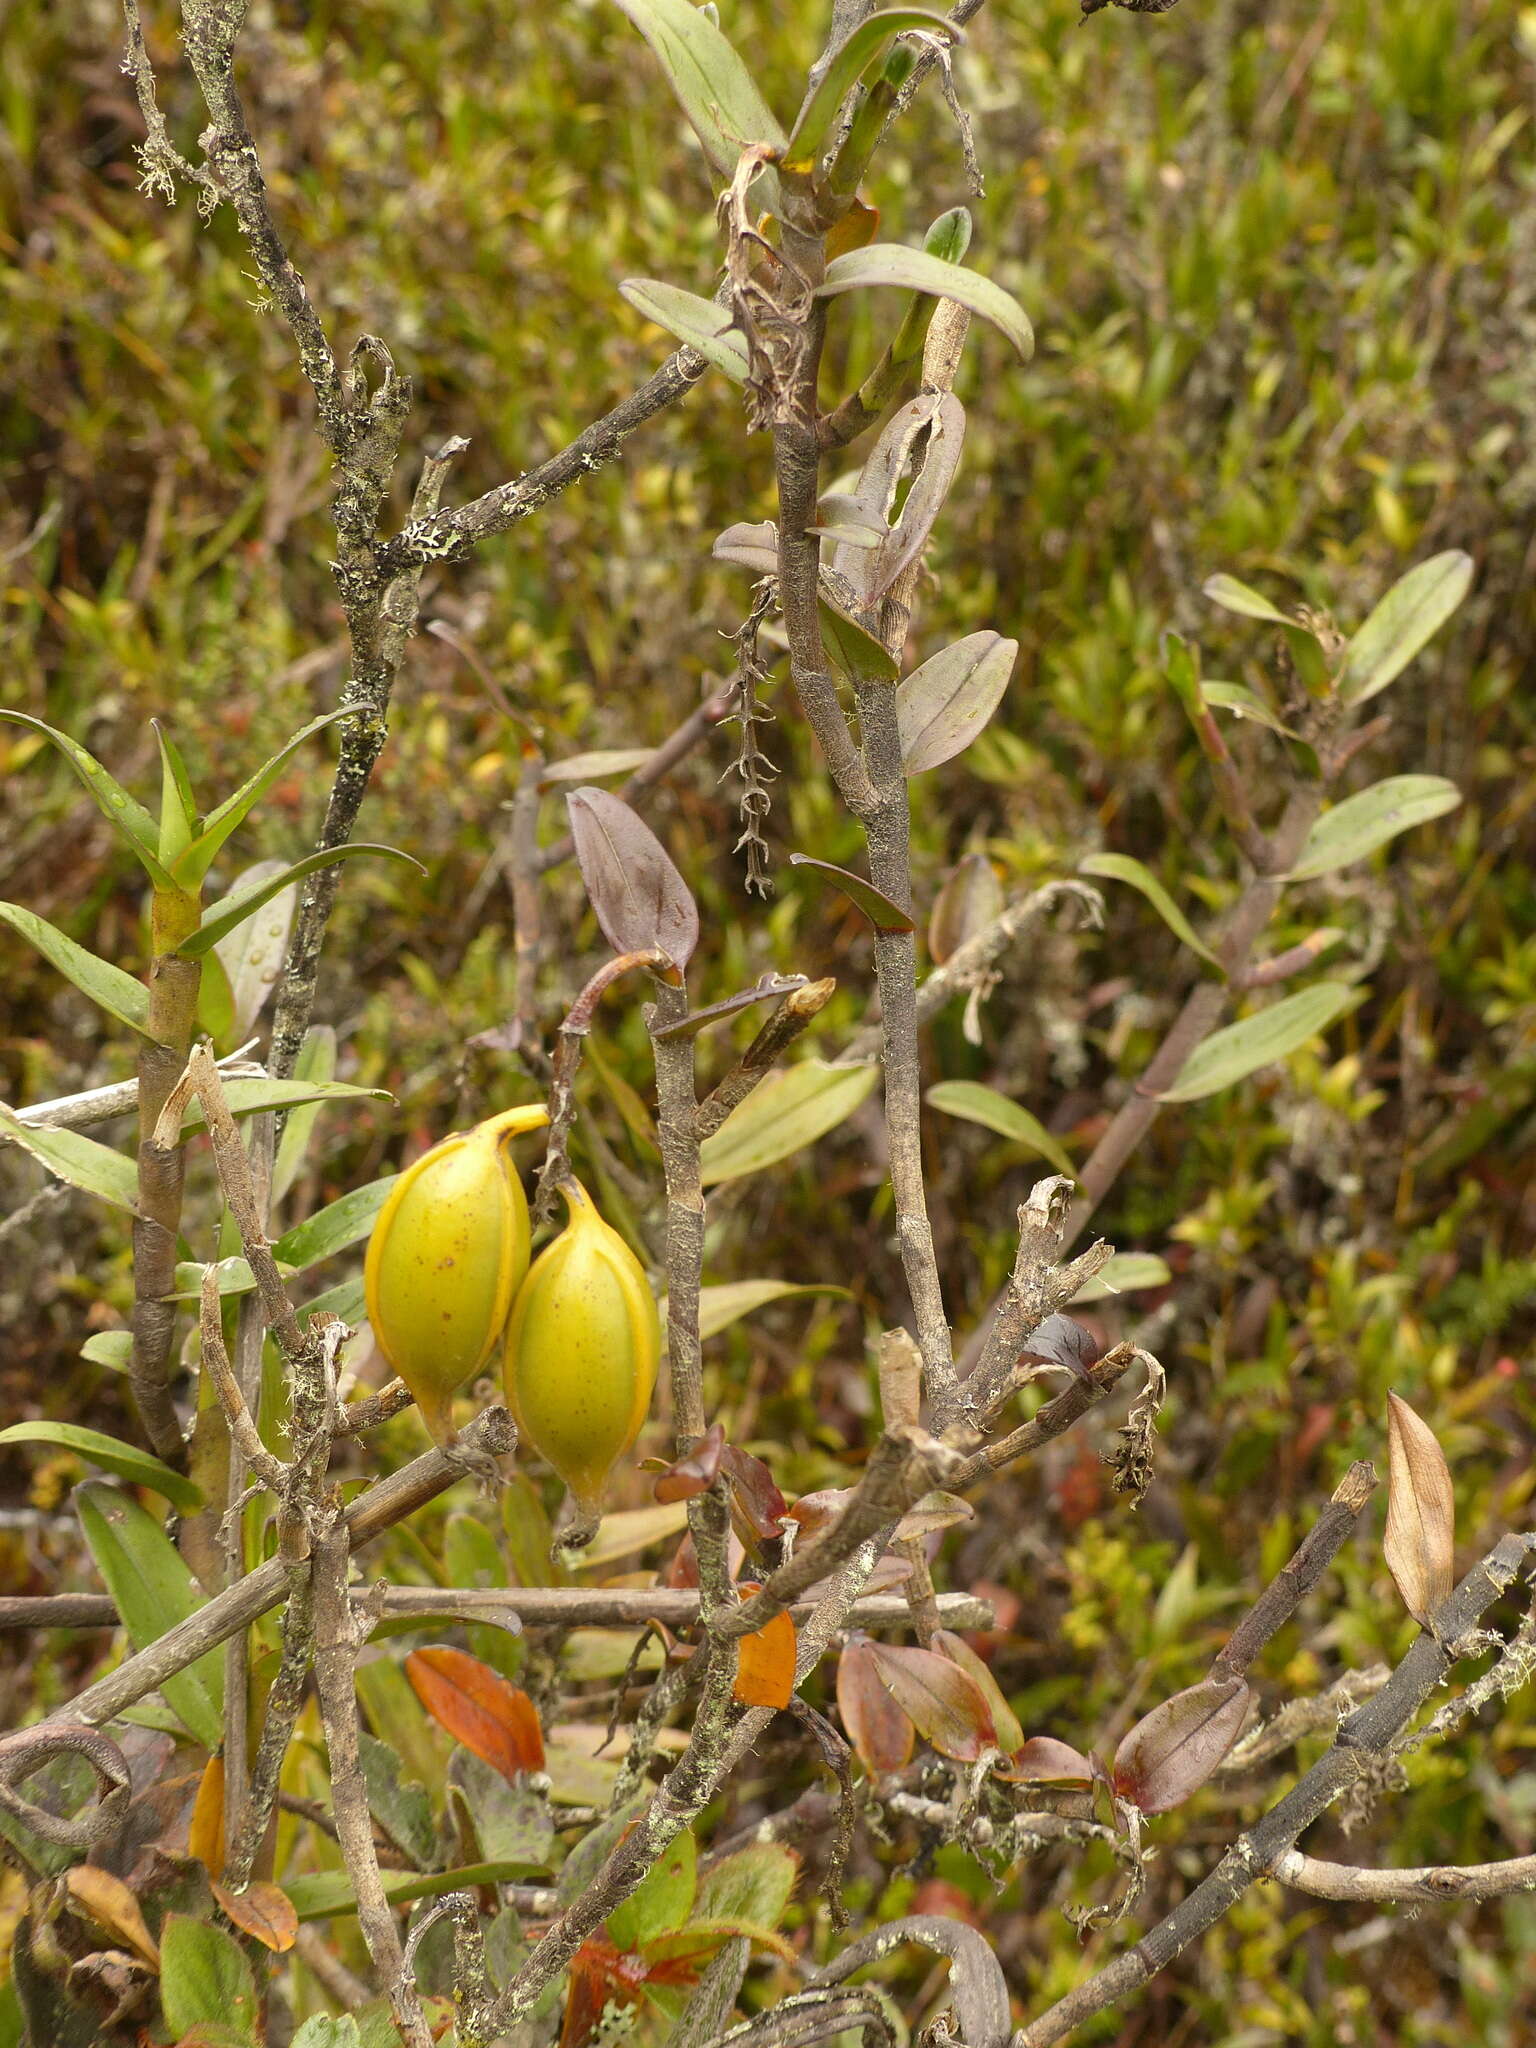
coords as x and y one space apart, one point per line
765 1672
478 1708
881 1733
109 1902
264 1911
205 1834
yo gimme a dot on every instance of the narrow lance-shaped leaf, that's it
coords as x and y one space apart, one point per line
864 49
178 806
970 899
882 913
784 1116
73 1157
1408 617
1171 1752
1119 867
713 85
1125 1273
1244 703
978 1104
220 822
945 1704
700 323
1421 1513
223 916
1009 1734
316 1062
892 263
108 795
112 1455
942 706
1233 596
107 986
641 901
1360 824
1241 1049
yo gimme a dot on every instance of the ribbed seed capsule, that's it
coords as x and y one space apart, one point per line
446 1258
582 1349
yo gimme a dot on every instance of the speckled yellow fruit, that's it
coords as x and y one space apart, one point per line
446 1258
582 1350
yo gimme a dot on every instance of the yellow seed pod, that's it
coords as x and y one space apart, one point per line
446 1258
582 1350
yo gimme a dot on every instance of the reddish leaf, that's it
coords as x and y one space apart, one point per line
946 1705
599 1976
696 1473
682 1572
1044 1761
1421 1513
817 1511
881 1733
263 1911
882 913
478 1708
640 899
765 1670
758 1499
1171 1752
1009 1734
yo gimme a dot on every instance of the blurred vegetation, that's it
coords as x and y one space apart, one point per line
1282 263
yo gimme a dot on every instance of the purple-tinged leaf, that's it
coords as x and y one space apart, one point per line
1045 1761
945 1704
882 913
1061 1342
750 544
1171 1752
757 1499
641 901
880 1731
943 705
768 989
696 1471
1421 1513
1009 1734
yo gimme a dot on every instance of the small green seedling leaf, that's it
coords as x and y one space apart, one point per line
914 270
784 1115
1360 824
699 322
223 916
71 1156
882 913
109 797
112 1455
178 806
1244 703
111 1348
1233 596
1408 617
1119 867
194 863
107 986
863 51
713 85
154 1590
978 1104
335 1228
1241 1049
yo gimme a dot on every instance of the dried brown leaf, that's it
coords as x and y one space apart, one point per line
1171 1752
1420 1542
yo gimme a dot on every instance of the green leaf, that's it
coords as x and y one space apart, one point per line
109 797
855 651
752 1887
1360 824
864 50
784 1115
1124 1274
178 806
721 1306
316 1062
700 323
882 913
594 766
663 1899
111 1348
942 706
346 1221
320 2031
252 954
1119 867
324 1894
253 1096
981 1105
1244 703
1233 596
1258 1041
205 1978
195 861
154 1590
72 1157
215 1003
223 916
1408 617
126 1460
402 1807
713 86
914 270
107 986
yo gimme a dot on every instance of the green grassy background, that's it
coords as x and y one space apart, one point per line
1282 264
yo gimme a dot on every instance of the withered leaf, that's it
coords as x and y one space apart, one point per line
1171 1752
880 1731
478 1708
1042 1760
264 1911
640 899
755 1497
696 1472
1421 1513
765 1668
1060 1341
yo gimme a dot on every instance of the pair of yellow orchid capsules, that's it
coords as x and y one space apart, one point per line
449 1285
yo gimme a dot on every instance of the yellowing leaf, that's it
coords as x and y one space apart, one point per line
783 1116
